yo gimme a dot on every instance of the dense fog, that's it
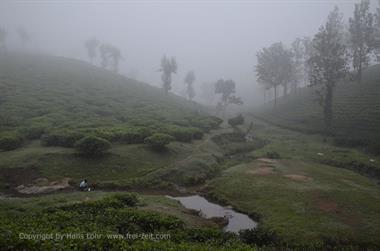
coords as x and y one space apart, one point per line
216 39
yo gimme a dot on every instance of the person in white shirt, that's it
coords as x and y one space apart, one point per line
83 185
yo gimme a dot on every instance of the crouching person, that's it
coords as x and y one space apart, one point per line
83 186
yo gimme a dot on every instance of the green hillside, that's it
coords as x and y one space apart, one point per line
42 94
48 104
356 110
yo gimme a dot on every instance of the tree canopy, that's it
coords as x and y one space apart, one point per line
168 66
275 67
189 80
226 88
361 29
328 63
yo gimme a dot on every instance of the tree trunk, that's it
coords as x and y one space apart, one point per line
360 73
328 109
265 97
294 87
275 95
285 90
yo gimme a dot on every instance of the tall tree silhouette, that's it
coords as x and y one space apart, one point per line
23 35
328 63
275 67
189 80
3 38
109 52
168 67
91 46
361 36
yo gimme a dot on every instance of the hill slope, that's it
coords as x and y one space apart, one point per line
356 110
41 94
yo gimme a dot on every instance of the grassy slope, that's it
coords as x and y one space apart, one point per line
64 93
356 109
335 203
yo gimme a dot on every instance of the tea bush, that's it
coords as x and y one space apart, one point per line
10 141
185 134
158 141
235 121
62 138
93 145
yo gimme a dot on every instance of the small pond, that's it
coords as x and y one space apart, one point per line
236 221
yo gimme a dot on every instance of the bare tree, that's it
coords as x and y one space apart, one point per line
328 63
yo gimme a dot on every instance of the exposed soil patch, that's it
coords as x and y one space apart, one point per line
324 204
262 171
328 206
265 167
39 188
267 160
298 177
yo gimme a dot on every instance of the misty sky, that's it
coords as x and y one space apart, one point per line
216 39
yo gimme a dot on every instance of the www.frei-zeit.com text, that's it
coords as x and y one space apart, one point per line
93 236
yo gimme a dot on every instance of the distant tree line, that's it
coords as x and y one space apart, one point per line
324 60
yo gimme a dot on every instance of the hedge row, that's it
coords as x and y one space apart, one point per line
124 135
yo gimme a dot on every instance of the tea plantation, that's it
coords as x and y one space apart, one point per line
356 111
60 100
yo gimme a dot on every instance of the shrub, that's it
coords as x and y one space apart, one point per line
93 145
158 141
105 134
125 135
33 132
184 134
259 236
273 155
61 138
129 199
205 123
215 122
133 135
10 142
197 133
181 134
238 120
